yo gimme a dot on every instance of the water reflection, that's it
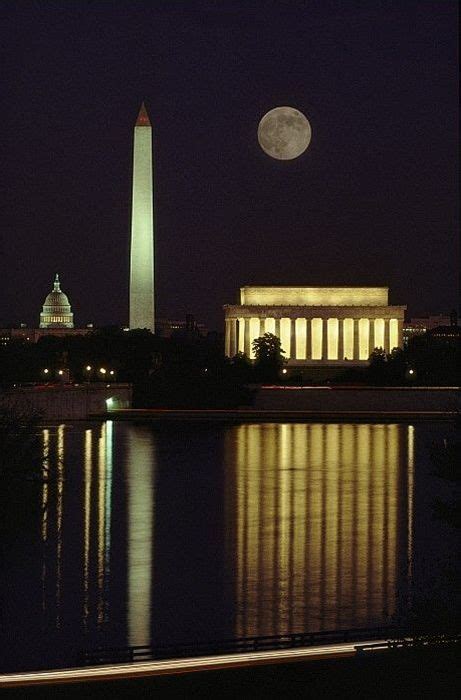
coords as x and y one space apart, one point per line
59 517
87 525
44 511
65 567
320 513
140 470
224 531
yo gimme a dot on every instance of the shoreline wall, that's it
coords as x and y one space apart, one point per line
69 401
374 399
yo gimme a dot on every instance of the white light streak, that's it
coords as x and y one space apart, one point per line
201 663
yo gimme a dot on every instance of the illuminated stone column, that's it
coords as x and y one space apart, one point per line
293 339
247 345
379 333
255 328
241 335
371 337
308 339
300 352
340 339
394 333
356 339
386 335
285 336
227 338
233 336
277 327
332 325
324 339
364 338
400 333
142 228
348 338
316 336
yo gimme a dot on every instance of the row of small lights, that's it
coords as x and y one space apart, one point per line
102 370
88 368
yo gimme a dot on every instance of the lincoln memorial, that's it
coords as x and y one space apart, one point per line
316 325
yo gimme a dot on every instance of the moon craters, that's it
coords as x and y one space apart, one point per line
284 133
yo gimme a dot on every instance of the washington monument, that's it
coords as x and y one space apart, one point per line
142 313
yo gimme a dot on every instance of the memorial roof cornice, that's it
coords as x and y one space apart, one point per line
247 310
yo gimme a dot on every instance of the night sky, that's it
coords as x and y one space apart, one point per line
373 200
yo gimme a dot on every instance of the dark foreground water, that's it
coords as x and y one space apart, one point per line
162 534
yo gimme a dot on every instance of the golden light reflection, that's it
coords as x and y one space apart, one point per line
45 489
45 472
316 516
410 486
283 495
59 516
87 524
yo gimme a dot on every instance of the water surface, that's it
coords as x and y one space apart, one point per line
162 534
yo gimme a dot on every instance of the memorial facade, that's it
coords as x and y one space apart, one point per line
316 325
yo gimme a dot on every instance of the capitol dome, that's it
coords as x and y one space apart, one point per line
56 309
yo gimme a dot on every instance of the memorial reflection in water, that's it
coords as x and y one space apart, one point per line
322 524
61 530
315 530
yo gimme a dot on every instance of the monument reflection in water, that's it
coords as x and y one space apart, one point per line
320 524
311 527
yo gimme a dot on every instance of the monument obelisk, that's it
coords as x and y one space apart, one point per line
142 312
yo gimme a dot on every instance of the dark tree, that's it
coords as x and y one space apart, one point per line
268 357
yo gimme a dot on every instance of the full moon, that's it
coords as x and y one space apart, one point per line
284 133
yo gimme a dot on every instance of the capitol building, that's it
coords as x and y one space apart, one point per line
56 318
330 326
56 309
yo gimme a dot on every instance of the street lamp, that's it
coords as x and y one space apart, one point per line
102 371
410 373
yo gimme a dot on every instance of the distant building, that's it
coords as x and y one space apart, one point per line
32 335
56 318
56 309
188 327
448 335
420 325
330 326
